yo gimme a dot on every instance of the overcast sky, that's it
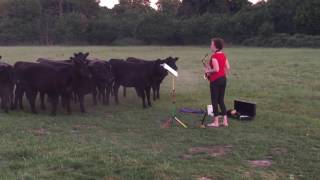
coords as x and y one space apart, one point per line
111 3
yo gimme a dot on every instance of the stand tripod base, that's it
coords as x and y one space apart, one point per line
170 121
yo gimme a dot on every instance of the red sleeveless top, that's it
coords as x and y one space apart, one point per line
221 58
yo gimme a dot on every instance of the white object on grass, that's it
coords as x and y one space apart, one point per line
172 71
210 110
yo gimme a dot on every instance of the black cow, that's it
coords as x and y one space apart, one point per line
6 85
137 75
103 78
52 80
58 63
157 80
33 78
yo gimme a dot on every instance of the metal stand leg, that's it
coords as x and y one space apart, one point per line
173 113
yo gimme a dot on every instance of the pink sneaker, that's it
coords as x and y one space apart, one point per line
225 122
213 125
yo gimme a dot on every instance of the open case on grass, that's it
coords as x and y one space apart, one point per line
243 110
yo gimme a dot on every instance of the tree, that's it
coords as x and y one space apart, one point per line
168 6
21 21
283 13
193 7
158 29
307 17
140 6
200 7
235 6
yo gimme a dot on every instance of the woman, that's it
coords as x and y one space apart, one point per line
217 71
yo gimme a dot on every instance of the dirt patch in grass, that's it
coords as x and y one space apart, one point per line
262 163
109 116
279 151
248 174
39 132
83 127
205 178
167 123
211 151
158 148
112 178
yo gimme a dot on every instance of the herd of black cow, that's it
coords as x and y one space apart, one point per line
70 80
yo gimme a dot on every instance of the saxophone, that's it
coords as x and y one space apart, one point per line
205 76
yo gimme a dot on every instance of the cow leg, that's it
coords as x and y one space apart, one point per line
66 99
112 91
81 100
158 91
143 96
4 103
94 96
42 96
63 102
115 91
17 94
21 100
68 105
102 92
75 97
148 90
154 91
11 98
107 95
32 98
6 100
54 103
99 93
124 91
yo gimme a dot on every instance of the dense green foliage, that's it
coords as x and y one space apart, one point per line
175 22
126 142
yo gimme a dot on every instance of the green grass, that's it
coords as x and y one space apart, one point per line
126 141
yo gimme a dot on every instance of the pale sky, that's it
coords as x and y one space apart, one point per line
111 3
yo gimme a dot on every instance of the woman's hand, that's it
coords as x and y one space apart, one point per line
207 71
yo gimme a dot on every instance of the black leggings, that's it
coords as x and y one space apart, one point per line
217 89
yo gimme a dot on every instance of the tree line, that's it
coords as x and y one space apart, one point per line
134 22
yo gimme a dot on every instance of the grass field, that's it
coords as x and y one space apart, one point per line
126 141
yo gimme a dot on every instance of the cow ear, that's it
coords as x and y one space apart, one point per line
176 59
86 54
0 57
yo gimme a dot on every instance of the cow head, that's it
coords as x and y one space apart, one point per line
171 62
101 71
81 64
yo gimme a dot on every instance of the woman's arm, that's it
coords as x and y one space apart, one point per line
215 68
227 67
